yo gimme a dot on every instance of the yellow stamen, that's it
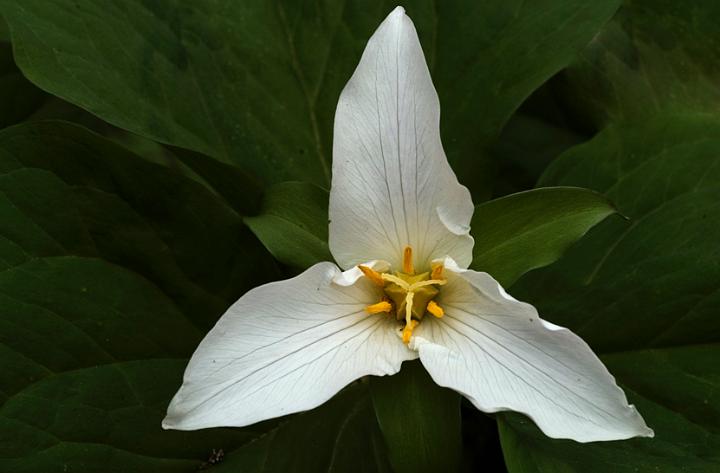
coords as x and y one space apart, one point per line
437 271
382 306
408 330
372 275
435 309
408 261
396 280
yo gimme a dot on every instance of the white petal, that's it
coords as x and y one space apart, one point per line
285 347
392 185
499 354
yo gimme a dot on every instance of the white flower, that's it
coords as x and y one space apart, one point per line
399 228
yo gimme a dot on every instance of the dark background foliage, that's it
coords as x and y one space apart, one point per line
158 158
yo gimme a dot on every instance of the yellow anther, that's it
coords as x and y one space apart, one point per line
437 271
382 306
408 330
408 267
396 280
435 309
372 275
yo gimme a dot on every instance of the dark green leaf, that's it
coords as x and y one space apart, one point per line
111 268
655 55
132 213
103 418
647 289
419 420
18 97
490 56
256 83
651 280
241 190
293 224
4 31
678 392
527 145
340 436
531 229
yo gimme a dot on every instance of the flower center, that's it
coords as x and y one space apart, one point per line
407 295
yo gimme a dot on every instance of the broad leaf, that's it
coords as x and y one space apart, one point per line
528 230
491 56
529 143
651 280
293 224
101 418
647 288
131 213
655 55
111 268
256 83
241 190
18 97
4 32
419 420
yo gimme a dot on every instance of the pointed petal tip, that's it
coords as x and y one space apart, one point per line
174 418
178 418
643 429
293 329
167 424
389 97
395 18
615 419
397 11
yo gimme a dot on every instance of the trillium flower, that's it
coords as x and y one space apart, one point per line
399 229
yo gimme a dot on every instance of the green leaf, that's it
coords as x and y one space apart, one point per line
491 56
293 224
111 270
4 32
241 190
531 229
643 291
655 55
256 83
131 213
657 274
676 390
337 437
419 420
104 418
528 144
18 97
